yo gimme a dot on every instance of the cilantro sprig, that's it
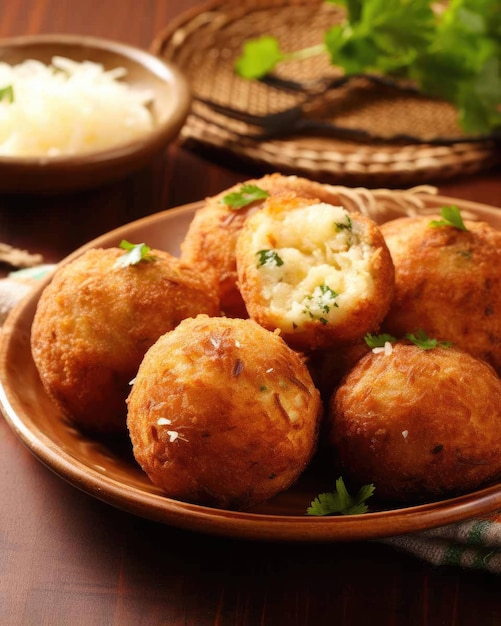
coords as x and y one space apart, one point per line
418 338
259 57
340 501
135 253
348 225
378 341
325 298
269 257
451 216
421 340
320 301
454 54
247 194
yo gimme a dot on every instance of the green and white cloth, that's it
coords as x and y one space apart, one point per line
471 544
18 284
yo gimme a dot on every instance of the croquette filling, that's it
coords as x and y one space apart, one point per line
313 263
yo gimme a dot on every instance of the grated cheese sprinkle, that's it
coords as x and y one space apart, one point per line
68 108
163 421
387 349
173 435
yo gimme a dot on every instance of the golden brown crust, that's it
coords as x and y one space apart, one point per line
359 276
94 323
448 282
222 412
211 238
418 423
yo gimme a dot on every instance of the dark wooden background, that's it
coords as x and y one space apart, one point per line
68 559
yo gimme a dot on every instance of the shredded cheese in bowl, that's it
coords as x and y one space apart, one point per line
68 108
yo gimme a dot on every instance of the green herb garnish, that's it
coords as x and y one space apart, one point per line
259 57
247 194
325 296
348 225
421 340
322 300
7 93
378 341
451 216
135 253
269 257
340 501
453 54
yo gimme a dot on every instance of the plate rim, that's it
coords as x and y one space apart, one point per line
238 524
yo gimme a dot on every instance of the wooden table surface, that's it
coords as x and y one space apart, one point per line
69 559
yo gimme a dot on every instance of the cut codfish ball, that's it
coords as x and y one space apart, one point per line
318 273
212 235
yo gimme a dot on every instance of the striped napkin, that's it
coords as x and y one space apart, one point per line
17 285
471 544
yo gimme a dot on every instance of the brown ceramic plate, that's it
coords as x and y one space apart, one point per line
108 471
171 103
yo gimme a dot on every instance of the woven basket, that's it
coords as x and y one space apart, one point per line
205 42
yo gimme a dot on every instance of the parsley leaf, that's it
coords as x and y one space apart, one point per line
269 257
472 81
247 194
421 340
259 57
378 341
354 8
340 501
348 225
325 297
320 301
381 36
135 253
7 93
451 216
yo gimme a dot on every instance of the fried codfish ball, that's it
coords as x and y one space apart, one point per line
321 275
95 321
223 412
448 283
211 238
419 424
